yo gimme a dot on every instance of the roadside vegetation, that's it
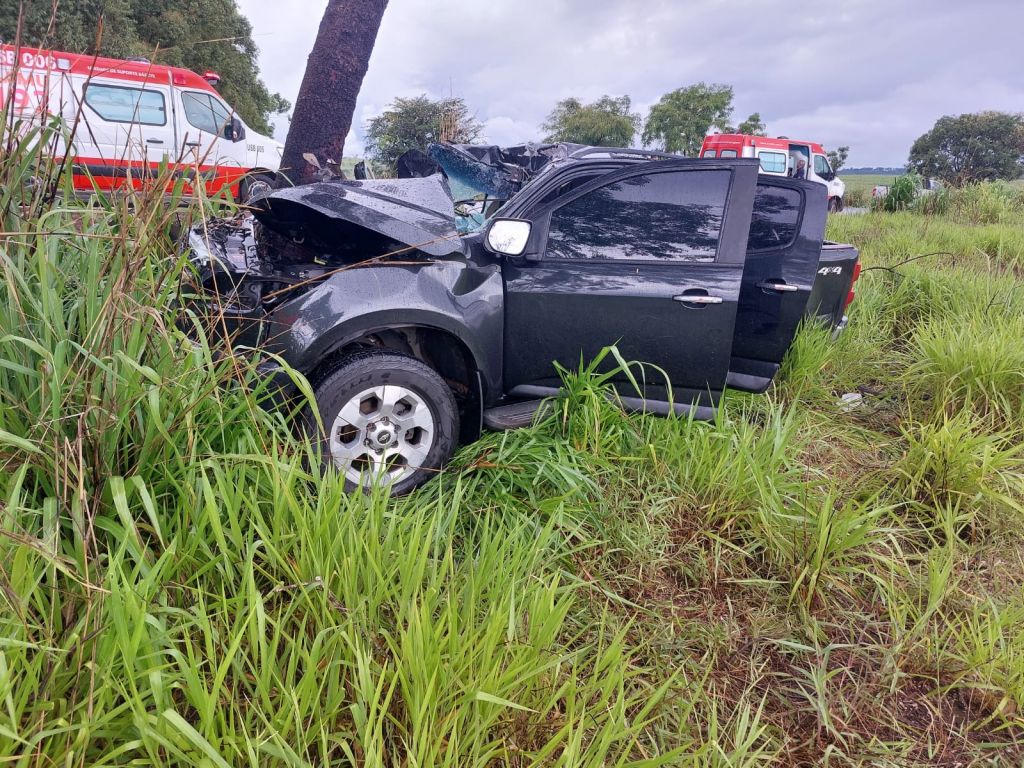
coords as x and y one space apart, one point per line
859 186
802 582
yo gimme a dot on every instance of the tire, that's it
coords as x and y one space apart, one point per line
389 420
835 204
254 186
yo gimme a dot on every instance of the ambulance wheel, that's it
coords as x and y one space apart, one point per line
835 204
255 186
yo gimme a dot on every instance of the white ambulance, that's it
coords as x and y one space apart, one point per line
781 156
129 117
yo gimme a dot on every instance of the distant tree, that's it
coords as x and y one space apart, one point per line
752 126
198 34
75 26
837 157
681 120
334 76
206 35
414 123
970 148
608 122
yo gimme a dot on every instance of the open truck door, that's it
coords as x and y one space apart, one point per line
783 251
649 258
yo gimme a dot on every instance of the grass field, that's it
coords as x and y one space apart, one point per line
860 186
857 182
798 583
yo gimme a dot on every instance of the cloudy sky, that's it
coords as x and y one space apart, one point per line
873 74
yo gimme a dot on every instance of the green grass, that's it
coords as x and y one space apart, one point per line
864 183
793 584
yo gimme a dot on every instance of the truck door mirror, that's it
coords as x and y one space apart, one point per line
234 130
508 237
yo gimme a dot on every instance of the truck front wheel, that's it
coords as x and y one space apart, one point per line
388 419
835 204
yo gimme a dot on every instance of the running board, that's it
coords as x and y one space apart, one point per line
525 412
514 416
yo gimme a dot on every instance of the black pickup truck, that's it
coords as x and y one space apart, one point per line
428 308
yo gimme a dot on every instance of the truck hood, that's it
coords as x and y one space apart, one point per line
375 216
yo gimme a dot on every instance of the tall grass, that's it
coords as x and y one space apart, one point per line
791 584
182 590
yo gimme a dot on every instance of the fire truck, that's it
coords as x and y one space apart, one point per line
780 157
126 119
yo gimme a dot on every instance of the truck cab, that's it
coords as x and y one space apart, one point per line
780 156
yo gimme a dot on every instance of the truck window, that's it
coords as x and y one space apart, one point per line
821 166
728 153
710 153
205 112
674 216
567 187
775 218
773 162
126 105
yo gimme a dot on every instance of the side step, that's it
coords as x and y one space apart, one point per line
514 416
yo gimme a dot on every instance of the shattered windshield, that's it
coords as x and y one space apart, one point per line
483 178
474 207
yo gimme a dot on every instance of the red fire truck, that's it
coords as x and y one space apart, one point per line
780 157
129 117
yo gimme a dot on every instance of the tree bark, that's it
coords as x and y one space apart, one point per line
327 98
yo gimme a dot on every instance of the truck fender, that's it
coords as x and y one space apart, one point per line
451 296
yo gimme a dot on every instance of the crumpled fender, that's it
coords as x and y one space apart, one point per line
456 296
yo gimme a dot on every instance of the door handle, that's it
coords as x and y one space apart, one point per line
696 298
780 287
154 141
193 144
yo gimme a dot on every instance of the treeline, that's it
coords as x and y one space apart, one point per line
961 150
677 123
878 171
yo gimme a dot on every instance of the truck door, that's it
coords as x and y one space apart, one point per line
208 141
649 258
786 233
126 130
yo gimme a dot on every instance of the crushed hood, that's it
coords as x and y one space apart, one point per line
415 212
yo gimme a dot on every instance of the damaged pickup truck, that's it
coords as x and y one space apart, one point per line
426 309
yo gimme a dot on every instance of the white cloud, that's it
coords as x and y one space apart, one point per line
873 74
507 131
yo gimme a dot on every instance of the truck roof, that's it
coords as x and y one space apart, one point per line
132 70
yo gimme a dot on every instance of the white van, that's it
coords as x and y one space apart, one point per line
130 116
780 157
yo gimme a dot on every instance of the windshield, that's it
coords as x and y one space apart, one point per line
483 178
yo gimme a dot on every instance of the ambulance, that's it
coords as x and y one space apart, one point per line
780 157
128 117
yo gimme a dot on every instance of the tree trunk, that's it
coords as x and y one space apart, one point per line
334 75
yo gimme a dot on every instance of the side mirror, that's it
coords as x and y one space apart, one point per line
509 237
234 130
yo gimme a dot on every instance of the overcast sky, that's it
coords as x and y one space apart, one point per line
873 74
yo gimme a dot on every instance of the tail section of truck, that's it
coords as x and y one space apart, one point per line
791 274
